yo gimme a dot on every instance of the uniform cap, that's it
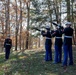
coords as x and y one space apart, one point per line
8 35
58 26
47 27
68 23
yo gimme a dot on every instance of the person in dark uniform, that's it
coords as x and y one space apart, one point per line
67 45
58 45
48 44
7 46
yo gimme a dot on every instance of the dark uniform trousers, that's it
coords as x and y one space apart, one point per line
48 55
7 53
67 52
58 54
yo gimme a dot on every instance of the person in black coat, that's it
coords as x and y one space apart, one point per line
7 46
48 44
58 45
67 45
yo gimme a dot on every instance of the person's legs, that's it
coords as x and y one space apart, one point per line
56 54
46 54
50 53
60 54
70 56
7 53
65 58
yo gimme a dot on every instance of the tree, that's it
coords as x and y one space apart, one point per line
20 24
28 19
7 26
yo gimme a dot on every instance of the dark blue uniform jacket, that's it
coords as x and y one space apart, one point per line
48 37
68 32
58 37
8 43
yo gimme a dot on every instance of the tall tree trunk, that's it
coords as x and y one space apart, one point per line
72 19
60 13
68 10
7 26
16 30
39 42
74 34
50 12
56 9
20 24
28 17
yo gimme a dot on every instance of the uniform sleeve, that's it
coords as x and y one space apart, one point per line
60 31
63 31
53 34
43 33
5 43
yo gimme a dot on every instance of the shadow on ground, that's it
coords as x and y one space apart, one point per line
32 63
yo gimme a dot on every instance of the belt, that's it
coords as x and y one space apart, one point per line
48 38
7 44
68 36
58 37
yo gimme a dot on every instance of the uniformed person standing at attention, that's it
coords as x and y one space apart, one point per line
58 45
48 43
67 45
7 46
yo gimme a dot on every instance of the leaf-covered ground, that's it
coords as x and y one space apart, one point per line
31 62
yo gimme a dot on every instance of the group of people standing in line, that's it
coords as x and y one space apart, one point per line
60 44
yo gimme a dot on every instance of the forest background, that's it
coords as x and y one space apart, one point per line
18 17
